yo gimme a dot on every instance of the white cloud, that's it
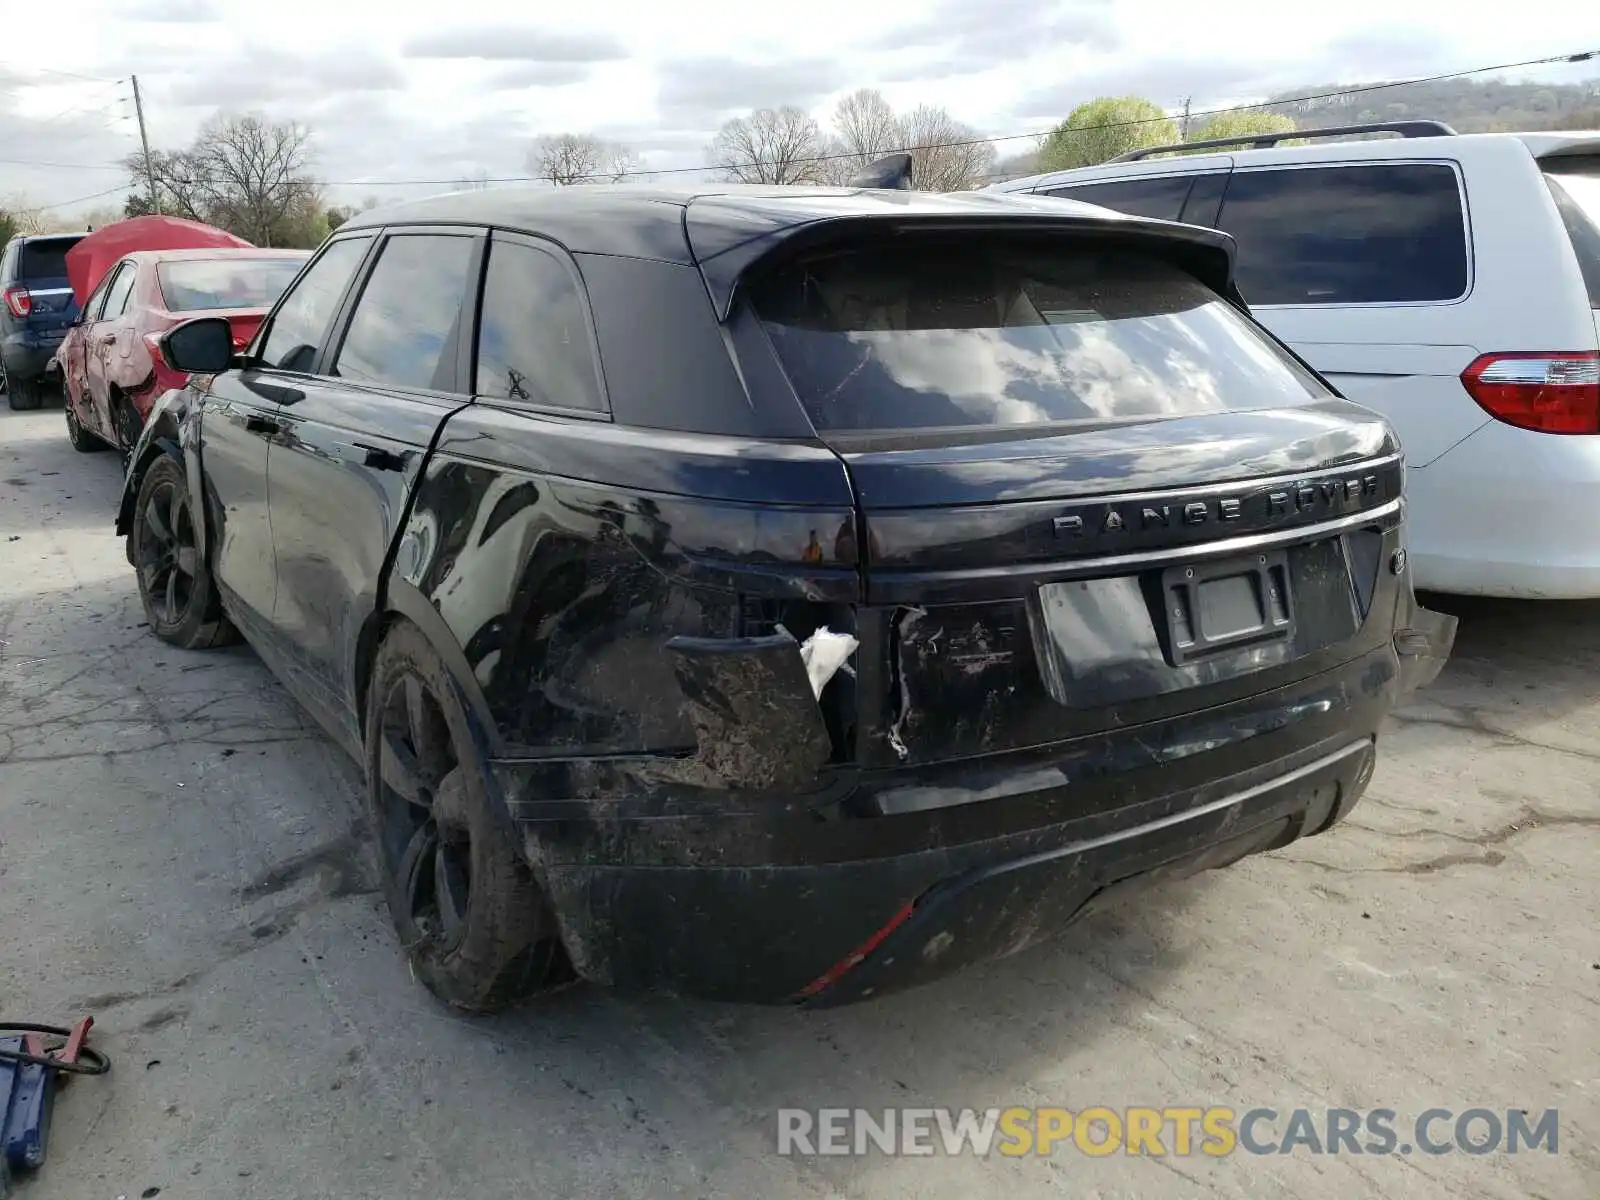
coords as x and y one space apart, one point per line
422 93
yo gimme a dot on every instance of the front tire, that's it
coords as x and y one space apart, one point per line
175 585
82 440
471 917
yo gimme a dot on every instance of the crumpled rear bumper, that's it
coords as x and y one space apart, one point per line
1423 643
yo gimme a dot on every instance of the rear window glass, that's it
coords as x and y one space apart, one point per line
1370 234
1575 186
1009 334
45 258
200 284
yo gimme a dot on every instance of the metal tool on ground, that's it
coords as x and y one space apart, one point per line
30 1060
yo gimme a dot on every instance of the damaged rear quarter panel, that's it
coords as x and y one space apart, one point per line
564 555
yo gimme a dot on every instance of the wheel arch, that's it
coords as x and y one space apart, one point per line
402 600
168 432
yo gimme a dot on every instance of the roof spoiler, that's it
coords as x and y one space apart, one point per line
1206 253
893 171
1262 141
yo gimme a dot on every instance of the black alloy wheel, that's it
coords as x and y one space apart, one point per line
470 915
125 421
175 585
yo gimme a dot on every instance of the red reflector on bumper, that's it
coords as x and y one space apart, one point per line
836 972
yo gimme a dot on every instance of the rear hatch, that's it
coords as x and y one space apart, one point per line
49 306
1092 492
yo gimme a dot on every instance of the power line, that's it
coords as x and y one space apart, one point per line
53 71
29 162
98 106
83 199
1337 93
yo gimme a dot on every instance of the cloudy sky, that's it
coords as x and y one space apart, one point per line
398 91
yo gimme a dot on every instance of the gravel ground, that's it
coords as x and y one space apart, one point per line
180 855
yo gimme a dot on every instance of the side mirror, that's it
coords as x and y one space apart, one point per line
203 346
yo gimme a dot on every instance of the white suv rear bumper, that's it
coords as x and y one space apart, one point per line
1508 512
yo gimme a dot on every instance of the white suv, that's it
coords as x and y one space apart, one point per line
1450 281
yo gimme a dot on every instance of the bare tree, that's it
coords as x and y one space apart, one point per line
245 174
478 181
568 158
771 145
865 128
946 155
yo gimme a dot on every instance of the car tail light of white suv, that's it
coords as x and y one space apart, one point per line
1548 392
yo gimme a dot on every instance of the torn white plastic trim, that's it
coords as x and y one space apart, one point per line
824 653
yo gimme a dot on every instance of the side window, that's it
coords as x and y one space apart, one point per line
119 291
97 298
405 322
303 317
533 336
1160 198
1377 233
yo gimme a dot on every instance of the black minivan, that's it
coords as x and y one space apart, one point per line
36 307
785 594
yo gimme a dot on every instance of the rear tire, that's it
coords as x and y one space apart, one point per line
82 440
125 424
175 585
470 915
23 395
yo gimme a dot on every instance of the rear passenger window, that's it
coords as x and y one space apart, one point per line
533 337
1160 198
1371 234
404 326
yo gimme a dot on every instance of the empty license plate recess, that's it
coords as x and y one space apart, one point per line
1226 604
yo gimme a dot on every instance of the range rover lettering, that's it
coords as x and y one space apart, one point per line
785 594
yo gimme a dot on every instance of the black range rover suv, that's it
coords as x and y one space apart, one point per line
559 510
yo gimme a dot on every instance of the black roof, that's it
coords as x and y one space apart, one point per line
723 228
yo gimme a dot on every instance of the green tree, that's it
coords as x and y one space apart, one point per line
1103 129
9 226
1244 123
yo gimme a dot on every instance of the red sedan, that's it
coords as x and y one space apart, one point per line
111 363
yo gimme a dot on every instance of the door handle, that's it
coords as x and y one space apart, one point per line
380 459
266 425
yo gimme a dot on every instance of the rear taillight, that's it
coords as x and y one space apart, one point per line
152 343
19 300
1546 392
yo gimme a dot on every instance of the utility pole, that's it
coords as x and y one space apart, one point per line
144 137
1185 126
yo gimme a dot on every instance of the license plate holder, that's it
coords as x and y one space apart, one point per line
1211 607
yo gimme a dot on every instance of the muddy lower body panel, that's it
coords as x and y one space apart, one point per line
897 877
